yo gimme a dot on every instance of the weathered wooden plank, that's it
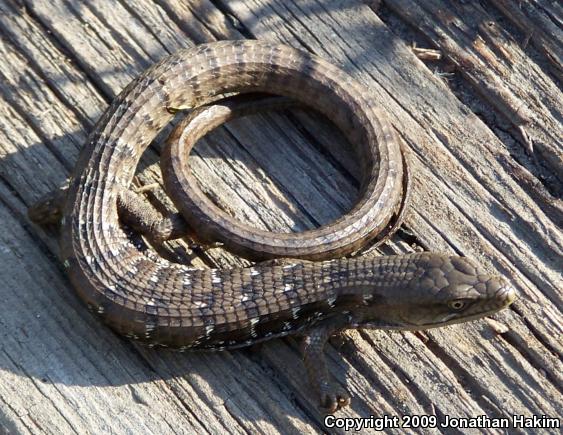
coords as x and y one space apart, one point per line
489 58
66 61
540 21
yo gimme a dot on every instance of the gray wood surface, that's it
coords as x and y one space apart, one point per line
467 120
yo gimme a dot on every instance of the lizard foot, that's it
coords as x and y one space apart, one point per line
333 398
48 210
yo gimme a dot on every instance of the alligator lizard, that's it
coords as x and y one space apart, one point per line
145 297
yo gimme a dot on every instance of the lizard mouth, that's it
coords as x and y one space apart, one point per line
505 297
452 320
449 320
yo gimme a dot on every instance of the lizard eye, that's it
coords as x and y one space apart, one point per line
457 305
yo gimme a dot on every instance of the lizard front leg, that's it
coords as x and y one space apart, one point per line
332 397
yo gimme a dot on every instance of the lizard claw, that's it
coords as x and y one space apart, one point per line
205 246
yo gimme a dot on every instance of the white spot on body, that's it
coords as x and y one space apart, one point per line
107 226
254 272
209 329
331 301
295 312
288 287
214 278
289 266
200 304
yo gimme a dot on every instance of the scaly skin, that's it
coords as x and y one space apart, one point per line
158 302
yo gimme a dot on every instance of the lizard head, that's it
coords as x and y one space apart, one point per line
441 290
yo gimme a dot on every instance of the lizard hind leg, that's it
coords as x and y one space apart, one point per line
49 209
137 213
